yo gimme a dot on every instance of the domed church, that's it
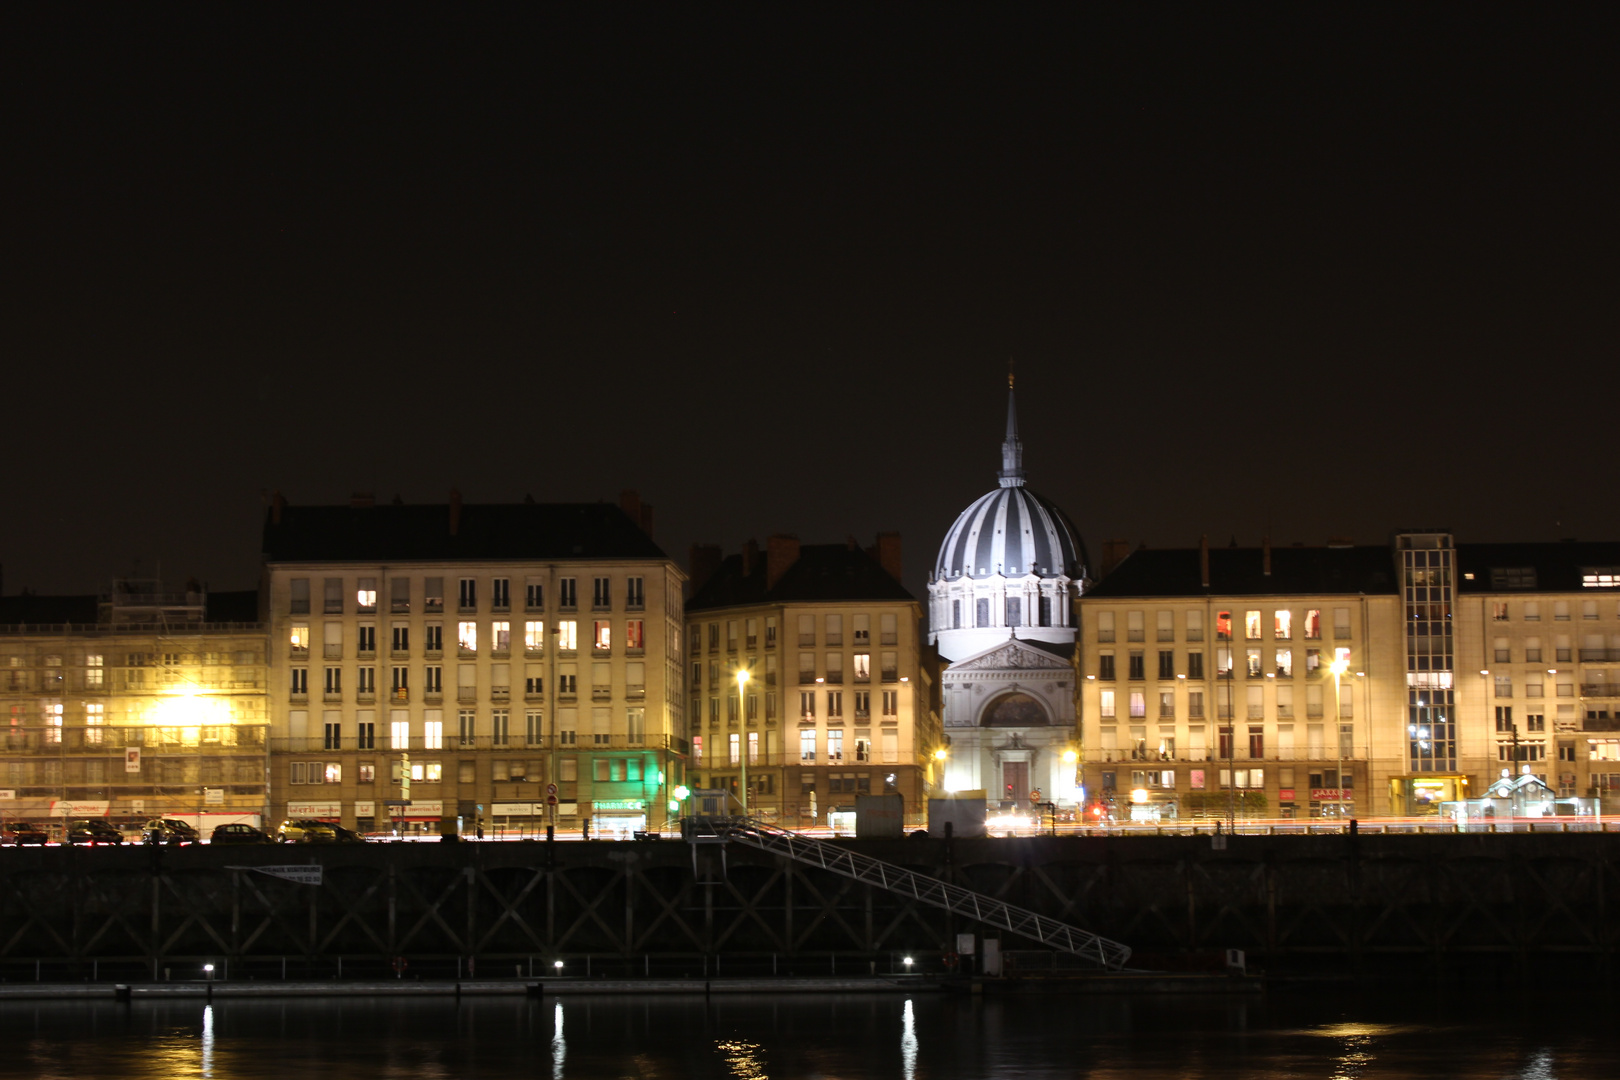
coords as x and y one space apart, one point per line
1002 611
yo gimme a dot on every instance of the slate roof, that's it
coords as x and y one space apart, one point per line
1348 570
515 532
823 572
47 610
1558 566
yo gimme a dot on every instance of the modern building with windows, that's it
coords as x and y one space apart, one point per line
135 704
840 696
1347 680
483 653
1002 610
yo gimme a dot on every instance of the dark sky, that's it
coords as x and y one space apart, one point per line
1315 270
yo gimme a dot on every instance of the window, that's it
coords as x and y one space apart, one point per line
1251 659
770 632
568 592
981 611
433 731
433 594
1313 625
1195 665
863 667
1561 611
601 592
298 596
1015 609
500 722
634 635
401 638
1285 701
399 594
500 638
95 718
95 671
1195 703
534 596
891 703
399 732
366 681
366 596
366 731
1167 704
500 593
1105 626
835 704
299 681
807 744
1535 722
1167 625
1499 611
602 635
1195 625
888 629
1532 650
1285 663
1223 626
1133 625
1167 664
807 704
835 745
1105 666
334 680
1105 704
333 599
1257 742
1251 625
567 635
1341 623
1282 624
835 630
1223 663
467 594
1504 686
298 638
366 639
1137 665
467 637
634 593
1589 609
1138 703
1313 661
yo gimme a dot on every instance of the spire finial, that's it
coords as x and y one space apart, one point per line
1012 449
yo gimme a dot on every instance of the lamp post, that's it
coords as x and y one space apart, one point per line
742 738
1338 667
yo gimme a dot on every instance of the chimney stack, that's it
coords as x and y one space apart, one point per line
702 560
1203 560
1114 553
455 511
781 552
637 511
887 553
1265 555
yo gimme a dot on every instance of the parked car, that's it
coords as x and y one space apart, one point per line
93 831
168 831
237 833
17 833
309 831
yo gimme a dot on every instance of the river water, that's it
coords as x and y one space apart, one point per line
1483 1032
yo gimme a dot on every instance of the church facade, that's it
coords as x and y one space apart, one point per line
1002 614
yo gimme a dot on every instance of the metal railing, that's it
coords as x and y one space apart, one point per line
928 890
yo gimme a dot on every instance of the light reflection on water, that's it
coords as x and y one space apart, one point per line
788 1037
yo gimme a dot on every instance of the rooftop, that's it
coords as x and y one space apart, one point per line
1348 570
822 573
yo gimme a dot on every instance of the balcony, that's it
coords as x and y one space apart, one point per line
891 674
601 693
332 696
400 695
1600 690
466 694
433 694
807 678
1600 656
331 651
635 691
500 693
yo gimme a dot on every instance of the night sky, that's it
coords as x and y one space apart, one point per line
1310 270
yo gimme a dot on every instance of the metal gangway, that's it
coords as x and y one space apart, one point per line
928 890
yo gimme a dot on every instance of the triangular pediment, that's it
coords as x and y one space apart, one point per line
1011 655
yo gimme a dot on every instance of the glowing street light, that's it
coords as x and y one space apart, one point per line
557 966
1341 664
742 716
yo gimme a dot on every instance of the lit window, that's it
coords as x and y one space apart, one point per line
433 772
1606 577
807 744
534 636
433 734
399 731
95 672
53 721
1313 625
602 637
1283 624
500 634
299 638
366 595
95 717
633 633
863 667
334 772
1251 625
1223 625
568 635
1106 703
697 751
467 636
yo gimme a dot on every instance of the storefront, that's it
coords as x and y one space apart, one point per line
1421 795
420 817
318 811
618 819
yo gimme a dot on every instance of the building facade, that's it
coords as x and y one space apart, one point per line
431 666
1346 680
1002 610
840 699
135 704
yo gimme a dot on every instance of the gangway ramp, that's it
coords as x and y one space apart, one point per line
928 890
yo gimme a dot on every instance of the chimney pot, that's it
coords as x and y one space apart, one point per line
781 552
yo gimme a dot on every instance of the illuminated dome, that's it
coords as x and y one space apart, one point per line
1011 532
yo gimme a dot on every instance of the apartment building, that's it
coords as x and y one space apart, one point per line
840 697
1350 679
434 665
134 704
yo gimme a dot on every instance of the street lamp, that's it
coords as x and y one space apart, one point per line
742 738
1341 664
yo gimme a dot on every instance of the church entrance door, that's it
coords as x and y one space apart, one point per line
1015 781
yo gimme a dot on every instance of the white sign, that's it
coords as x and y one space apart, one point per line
551 789
137 806
303 875
213 796
422 808
132 759
365 809
314 809
8 794
79 809
515 809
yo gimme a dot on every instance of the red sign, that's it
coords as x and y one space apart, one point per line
551 800
1330 794
1285 794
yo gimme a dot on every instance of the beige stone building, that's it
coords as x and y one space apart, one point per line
842 696
485 652
1360 680
136 704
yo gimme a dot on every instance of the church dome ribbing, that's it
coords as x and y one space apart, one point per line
1011 531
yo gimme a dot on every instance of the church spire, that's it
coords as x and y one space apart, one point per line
1012 450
